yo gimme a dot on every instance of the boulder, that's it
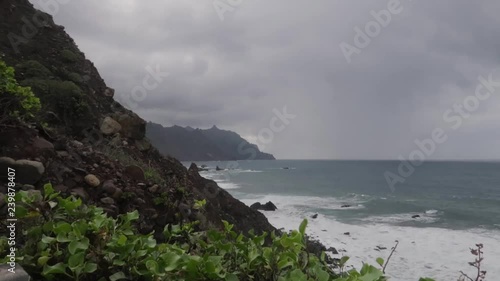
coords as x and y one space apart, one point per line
92 180
26 171
109 126
218 169
135 173
269 206
315 216
132 125
107 201
415 216
109 187
346 206
41 145
109 92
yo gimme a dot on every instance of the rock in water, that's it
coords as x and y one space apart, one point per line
218 169
269 206
415 216
314 216
345 206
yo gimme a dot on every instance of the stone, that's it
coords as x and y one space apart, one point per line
347 233
315 216
109 187
27 187
92 180
269 206
62 154
415 216
118 194
218 169
135 173
61 188
77 143
332 250
154 188
110 126
132 125
19 275
26 171
42 145
107 200
346 206
109 92
80 192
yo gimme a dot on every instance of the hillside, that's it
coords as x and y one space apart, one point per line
188 144
81 134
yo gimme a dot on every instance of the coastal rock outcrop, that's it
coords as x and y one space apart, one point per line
269 206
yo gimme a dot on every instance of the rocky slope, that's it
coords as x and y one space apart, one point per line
88 145
188 144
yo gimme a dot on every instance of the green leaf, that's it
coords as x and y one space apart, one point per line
171 260
76 260
380 261
43 260
117 276
232 277
302 227
47 239
90 267
58 268
21 212
78 245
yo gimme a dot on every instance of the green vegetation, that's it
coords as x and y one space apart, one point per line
69 56
117 153
67 240
17 101
33 69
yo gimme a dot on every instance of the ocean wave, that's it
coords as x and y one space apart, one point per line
448 248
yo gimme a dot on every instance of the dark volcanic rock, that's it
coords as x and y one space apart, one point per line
346 206
415 216
135 173
315 216
26 171
269 206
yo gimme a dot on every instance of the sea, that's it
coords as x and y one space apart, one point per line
362 216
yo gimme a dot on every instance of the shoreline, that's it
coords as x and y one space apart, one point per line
432 252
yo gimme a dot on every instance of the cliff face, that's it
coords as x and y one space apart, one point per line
89 145
188 144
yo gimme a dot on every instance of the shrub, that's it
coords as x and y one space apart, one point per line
17 101
75 77
33 69
69 56
65 98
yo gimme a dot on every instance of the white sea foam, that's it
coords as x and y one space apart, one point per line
431 252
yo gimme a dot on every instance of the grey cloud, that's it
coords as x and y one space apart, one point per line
266 55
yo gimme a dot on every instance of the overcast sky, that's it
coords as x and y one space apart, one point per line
266 55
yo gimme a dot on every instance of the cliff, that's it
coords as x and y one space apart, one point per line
88 145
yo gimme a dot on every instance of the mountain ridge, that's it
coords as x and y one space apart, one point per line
194 144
